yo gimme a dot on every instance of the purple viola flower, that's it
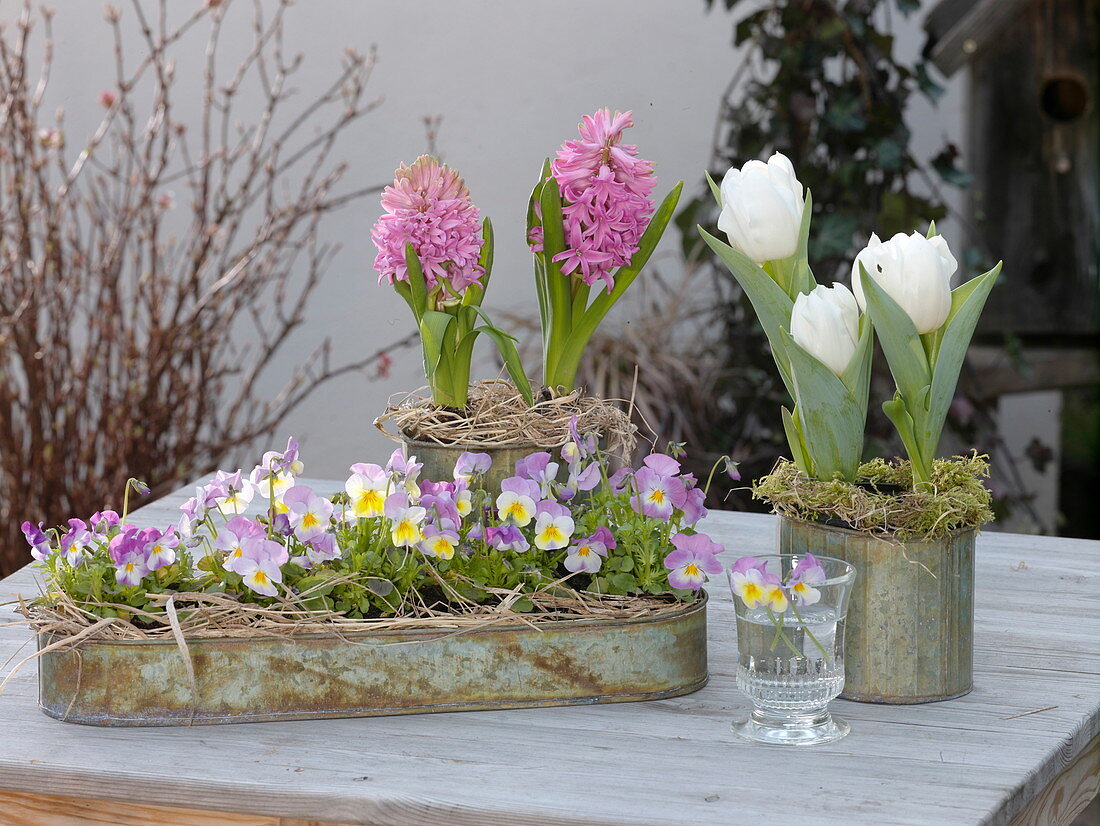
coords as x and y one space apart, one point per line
578 448
471 464
127 553
661 464
441 508
231 538
695 557
102 522
36 538
586 479
552 508
657 495
160 548
506 538
516 503
258 551
587 556
404 465
731 469
693 508
322 548
439 540
604 537
746 563
308 513
210 494
539 469
429 488
76 545
808 572
619 480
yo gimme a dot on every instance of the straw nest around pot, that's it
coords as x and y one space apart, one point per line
497 416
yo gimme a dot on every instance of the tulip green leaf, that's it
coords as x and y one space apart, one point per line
958 330
897 413
773 306
857 375
715 190
797 443
832 421
899 338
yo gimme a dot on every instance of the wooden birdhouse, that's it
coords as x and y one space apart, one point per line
1033 145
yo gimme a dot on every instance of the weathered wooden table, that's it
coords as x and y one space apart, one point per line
1022 748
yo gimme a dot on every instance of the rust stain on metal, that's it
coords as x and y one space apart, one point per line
144 683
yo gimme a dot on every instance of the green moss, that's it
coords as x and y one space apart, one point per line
958 499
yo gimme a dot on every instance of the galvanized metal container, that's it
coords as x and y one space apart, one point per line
910 628
567 662
439 460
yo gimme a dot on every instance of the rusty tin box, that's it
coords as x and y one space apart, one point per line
566 662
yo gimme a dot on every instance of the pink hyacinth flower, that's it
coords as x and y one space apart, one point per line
605 189
429 206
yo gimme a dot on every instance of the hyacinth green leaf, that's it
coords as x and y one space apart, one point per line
583 328
475 294
418 288
559 303
831 420
433 332
773 306
581 292
403 289
899 338
536 195
715 190
796 443
967 302
509 354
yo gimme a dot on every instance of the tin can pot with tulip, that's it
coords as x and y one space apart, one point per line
910 632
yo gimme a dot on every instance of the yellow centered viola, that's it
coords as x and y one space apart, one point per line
310 520
406 532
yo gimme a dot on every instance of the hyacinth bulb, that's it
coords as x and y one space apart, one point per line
605 189
429 206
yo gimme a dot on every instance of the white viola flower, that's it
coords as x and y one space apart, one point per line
553 531
825 323
914 271
515 508
762 205
405 520
367 488
309 514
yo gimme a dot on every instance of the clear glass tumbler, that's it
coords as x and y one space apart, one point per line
790 645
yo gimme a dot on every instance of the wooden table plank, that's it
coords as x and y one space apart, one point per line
980 759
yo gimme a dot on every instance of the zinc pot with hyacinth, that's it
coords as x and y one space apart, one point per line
269 599
434 250
907 526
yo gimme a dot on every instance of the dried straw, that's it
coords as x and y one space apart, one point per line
200 615
497 416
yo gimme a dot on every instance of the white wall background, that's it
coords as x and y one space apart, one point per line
510 80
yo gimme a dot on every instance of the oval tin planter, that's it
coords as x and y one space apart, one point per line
439 460
909 635
365 674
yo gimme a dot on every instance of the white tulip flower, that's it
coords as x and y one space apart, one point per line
825 323
762 207
914 271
